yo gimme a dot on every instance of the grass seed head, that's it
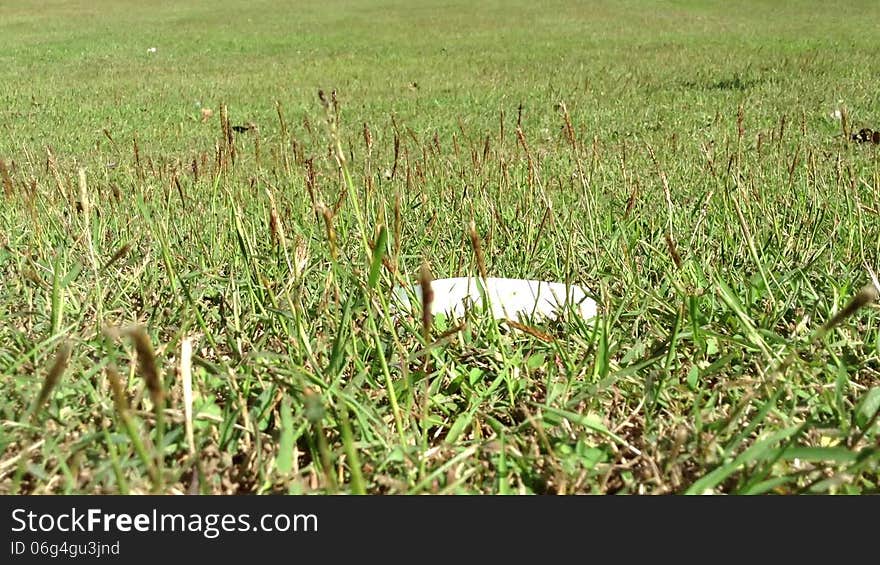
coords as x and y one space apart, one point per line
119 400
867 295
478 249
673 251
147 363
327 214
62 357
120 253
425 279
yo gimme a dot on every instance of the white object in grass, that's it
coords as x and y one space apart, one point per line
508 298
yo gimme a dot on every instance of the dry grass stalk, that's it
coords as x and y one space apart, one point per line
282 124
186 381
53 168
228 139
137 159
276 229
257 158
547 338
84 203
6 179
398 225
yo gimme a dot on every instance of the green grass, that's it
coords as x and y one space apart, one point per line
678 158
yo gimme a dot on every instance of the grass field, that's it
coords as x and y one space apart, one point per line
688 161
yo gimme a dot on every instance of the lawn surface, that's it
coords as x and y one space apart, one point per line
689 162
